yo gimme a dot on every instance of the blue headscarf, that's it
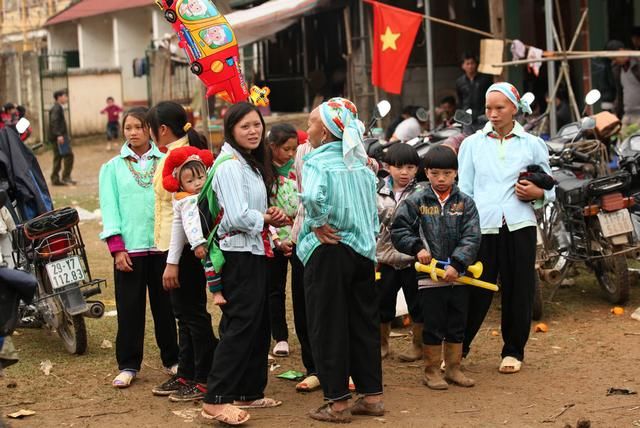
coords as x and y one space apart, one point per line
510 91
340 117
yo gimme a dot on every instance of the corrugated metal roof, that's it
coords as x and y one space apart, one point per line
86 8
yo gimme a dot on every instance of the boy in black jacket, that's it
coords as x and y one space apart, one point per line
442 223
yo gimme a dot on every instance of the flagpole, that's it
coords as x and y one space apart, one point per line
427 30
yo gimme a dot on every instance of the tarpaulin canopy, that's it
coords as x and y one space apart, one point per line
262 21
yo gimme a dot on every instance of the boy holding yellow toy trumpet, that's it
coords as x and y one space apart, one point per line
442 223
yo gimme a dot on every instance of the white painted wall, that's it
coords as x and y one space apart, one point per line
97 42
134 33
63 37
87 96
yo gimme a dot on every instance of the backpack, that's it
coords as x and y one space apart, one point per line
211 214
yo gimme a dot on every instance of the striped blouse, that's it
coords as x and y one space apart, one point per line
242 194
341 197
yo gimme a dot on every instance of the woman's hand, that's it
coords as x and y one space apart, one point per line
275 217
170 277
526 191
327 235
123 262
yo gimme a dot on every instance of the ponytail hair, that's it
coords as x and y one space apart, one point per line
174 117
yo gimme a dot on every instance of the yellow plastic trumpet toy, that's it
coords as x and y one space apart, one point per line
378 276
475 270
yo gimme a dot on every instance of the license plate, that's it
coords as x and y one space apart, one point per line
64 272
615 223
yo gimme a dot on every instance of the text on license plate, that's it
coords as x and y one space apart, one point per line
64 272
615 223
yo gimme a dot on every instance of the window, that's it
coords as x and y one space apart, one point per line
195 10
217 36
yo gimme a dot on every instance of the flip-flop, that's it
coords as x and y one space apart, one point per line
510 365
124 379
260 403
309 384
229 415
352 385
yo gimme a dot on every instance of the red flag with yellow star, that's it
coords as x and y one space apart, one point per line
394 31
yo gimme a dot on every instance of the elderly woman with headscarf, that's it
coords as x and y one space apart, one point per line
337 245
490 165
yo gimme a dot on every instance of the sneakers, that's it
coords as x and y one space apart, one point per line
190 392
169 387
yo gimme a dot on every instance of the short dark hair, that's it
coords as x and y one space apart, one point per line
110 99
449 99
400 154
22 111
440 157
469 55
8 106
60 92
195 166
280 133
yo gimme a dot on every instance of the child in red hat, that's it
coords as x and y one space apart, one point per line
184 174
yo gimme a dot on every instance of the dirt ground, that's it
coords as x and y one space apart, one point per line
586 351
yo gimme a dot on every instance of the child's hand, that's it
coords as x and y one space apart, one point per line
450 274
424 257
218 299
287 248
200 252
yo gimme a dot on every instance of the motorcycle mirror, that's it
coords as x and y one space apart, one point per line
592 97
3 197
463 117
22 125
382 109
587 123
422 115
529 98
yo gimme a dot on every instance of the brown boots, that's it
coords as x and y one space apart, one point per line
452 371
452 356
385 330
432 375
415 352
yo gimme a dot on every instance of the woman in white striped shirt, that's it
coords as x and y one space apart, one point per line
238 375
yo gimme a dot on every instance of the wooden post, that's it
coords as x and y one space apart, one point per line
497 22
586 64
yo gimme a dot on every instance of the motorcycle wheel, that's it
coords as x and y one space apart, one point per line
613 276
537 312
73 332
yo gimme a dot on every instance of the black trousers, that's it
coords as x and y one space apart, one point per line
239 370
196 338
445 313
61 162
391 280
277 283
300 313
342 312
512 257
131 298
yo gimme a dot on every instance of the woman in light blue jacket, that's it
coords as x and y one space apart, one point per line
127 203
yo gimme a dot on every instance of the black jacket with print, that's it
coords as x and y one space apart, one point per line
452 232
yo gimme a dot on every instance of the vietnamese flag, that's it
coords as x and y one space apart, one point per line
394 31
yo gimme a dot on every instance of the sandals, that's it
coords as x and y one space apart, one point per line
510 365
361 407
230 415
309 384
281 349
260 403
327 414
124 379
352 385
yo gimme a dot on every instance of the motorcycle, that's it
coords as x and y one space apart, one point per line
50 247
589 223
